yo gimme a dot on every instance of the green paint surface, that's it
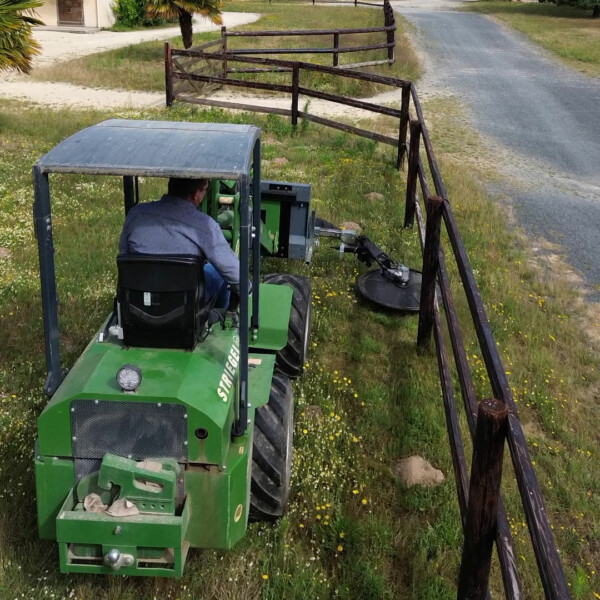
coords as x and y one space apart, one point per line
275 308
217 475
53 480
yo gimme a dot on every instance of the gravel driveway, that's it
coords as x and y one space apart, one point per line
541 118
61 45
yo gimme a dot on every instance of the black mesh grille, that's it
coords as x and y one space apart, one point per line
135 430
85 466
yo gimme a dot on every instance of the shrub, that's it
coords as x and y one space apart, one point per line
132 13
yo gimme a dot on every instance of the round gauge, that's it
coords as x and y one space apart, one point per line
129 378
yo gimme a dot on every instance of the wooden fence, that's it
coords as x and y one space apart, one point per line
491 422
335 50
214 62
389 29
354 2
204 68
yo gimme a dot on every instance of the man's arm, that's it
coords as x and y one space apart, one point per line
220 255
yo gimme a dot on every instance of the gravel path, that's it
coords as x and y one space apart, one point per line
60 45
540 119
57 46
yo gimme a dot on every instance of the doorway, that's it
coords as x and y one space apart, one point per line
70 12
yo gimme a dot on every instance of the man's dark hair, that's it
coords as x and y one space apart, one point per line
184 188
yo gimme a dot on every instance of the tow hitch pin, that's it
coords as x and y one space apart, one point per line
115 560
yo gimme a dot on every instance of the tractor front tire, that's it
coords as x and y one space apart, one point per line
290 359
272 452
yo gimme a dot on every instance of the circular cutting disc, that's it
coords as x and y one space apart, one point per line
376 288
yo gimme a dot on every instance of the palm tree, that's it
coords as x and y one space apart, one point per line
183 10
17 46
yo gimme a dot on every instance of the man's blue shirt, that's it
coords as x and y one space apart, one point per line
173 225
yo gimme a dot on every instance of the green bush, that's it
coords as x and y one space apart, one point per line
594 5
132 13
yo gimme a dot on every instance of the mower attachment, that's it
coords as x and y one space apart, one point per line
393 286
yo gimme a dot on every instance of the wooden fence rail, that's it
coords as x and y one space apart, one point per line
413 139
292 88
354 2
335 50
546 553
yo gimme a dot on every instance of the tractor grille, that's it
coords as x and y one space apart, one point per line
135 430
85 466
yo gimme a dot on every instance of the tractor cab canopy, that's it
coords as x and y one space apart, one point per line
156 149
131 149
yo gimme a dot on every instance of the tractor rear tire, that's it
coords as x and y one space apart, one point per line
272 452
290 359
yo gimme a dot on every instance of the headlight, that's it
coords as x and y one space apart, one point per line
129 378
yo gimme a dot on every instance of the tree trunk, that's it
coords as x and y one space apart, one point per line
185 23
596 11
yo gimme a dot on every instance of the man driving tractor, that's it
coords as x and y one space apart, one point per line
174 225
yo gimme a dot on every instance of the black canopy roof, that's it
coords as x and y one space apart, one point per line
155 149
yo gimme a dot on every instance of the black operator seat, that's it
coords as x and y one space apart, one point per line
161 300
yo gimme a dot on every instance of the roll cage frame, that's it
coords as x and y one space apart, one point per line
133 149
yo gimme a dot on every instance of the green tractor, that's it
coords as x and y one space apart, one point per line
174 427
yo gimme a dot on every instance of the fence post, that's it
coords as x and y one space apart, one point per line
484 492
431 254
336 45
412 175
168 74
403 130
295 85
389 20
224 49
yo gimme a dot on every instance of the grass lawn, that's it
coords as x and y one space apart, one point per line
141 67
569 32
368 397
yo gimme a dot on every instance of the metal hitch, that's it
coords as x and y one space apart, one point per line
115 560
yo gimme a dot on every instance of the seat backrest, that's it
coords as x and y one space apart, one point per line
161 300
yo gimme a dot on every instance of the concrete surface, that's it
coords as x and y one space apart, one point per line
542 119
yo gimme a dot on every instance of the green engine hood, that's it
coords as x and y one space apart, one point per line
203 380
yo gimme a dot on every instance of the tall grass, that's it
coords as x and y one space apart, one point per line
367 399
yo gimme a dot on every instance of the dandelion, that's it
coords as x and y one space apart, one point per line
340 548
365 501
265 576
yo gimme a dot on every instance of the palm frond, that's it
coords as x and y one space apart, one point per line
17 46
171 9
